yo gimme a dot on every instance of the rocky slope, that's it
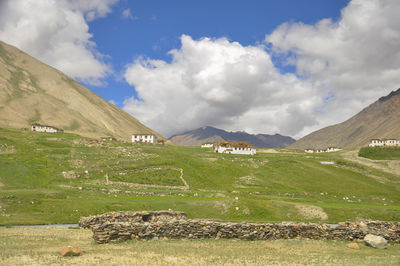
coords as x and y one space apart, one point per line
379 120
210 134
31 91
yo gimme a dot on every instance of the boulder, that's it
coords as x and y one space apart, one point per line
70 251
375 241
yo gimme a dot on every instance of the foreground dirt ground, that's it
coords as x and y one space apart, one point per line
38 246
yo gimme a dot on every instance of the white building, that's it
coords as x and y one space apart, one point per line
384 142
144 138
207 145
332 149
235 148
44 128
329 149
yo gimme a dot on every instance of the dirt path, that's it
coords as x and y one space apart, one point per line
184 187
388 166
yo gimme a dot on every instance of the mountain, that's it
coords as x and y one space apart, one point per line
211 134
379 120
33 92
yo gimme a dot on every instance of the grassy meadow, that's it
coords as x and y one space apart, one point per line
380 153
57 178
38 246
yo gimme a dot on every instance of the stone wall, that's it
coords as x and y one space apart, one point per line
197 229
131 217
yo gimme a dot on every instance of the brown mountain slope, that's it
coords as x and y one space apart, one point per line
379 120
31 91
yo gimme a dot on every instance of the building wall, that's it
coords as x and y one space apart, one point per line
236 150
44 129
144 138
207 145
388 142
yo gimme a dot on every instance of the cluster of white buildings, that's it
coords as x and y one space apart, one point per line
144 138
231 148
44 128
384 142
329 149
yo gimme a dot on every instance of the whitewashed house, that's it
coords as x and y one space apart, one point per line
332 149
144 138
392 142
235 148
376 142
207 145
384 142
329 149
44 128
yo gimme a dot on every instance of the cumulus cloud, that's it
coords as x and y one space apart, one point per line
57 33
221 83
341 66
356 58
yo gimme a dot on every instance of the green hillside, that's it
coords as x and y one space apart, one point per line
57 178
380 153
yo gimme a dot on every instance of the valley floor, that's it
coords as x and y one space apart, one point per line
38 246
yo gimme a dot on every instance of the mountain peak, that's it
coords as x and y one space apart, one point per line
390 95
379 120
211 134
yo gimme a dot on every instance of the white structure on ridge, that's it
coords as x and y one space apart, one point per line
144 138
384 142
44 128
329 149
235 148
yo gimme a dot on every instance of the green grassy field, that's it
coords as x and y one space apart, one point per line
380 153
57 178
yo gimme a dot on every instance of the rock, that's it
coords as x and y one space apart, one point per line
353 245
70 251
375 241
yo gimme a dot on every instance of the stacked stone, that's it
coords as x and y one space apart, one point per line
197 229
131 217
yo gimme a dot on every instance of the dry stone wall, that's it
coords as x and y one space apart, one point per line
107 231
131 217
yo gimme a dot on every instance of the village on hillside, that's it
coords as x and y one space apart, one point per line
224 147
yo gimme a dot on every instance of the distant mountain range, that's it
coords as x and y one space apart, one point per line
379 120
33 92
211 134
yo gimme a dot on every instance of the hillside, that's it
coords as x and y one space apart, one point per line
210 134
31 91
379 120
59 177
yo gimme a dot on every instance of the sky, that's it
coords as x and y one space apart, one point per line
288 67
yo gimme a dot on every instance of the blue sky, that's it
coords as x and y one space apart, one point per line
156 26
287 66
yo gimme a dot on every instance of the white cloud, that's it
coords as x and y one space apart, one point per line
57 33
356 59
342 66
221 83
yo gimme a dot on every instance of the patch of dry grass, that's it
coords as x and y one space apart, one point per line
38 246
311 212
